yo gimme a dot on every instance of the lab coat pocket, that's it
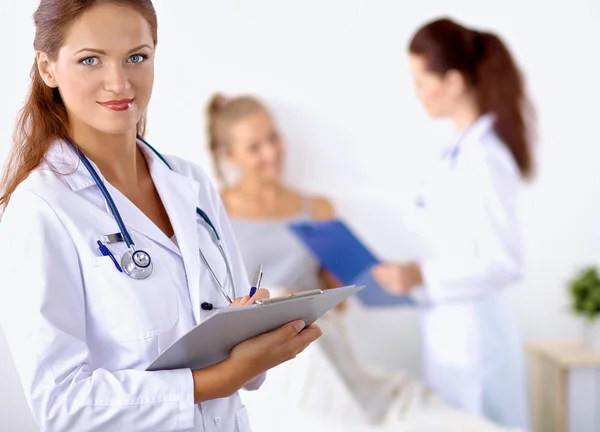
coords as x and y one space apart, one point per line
132 309
242 420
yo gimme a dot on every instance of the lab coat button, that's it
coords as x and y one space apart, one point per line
216 420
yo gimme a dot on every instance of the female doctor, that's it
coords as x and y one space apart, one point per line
109 252
466 217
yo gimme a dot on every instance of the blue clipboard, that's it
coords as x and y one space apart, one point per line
340 251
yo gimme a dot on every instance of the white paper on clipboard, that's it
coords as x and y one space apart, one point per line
211 341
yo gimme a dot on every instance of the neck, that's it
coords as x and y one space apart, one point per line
117 156
465 115
266 194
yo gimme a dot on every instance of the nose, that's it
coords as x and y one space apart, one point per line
270 154
117 80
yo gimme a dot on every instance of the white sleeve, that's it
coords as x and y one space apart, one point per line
493 224
42 312
238 268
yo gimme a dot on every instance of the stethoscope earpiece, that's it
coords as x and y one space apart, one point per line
207 306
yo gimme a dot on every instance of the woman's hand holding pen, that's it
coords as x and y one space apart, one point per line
263 352
260 294
256 293
255 355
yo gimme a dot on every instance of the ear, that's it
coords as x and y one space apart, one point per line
46 69
455 82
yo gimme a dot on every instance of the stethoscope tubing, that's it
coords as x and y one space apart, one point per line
125 233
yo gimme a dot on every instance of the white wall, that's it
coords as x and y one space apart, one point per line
336 74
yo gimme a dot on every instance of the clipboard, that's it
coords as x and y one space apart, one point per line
212 340
341 252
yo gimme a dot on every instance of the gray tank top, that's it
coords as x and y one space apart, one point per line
287 263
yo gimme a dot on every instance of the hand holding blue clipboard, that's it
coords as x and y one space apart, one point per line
338 249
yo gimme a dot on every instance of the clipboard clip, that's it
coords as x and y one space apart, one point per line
289 297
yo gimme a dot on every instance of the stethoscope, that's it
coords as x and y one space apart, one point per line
137 263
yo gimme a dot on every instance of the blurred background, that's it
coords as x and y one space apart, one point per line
336 75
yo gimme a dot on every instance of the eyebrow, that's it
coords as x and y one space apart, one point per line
98 51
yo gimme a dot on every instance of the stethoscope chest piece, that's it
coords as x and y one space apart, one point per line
137 264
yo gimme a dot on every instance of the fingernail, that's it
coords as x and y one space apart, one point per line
299 325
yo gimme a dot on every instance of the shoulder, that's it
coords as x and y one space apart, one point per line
321 207
491 157
498 154
493 171
43 188
31 208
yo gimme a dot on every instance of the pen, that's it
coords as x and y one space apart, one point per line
257 280
106 252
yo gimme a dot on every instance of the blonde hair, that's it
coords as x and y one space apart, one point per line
221 114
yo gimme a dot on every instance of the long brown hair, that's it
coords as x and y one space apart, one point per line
43 117
487 65
221 114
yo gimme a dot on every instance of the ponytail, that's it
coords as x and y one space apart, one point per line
487 65
500 90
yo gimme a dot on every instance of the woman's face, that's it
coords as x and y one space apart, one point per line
437 93
256 148
105 69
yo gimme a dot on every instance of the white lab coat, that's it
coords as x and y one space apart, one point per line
467 221
80 332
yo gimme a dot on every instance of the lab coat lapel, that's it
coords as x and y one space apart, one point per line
61 158
439 176
179 195
136 221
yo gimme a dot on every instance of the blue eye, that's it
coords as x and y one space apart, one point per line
90 61
137 58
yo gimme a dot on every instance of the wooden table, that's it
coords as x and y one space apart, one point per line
565 387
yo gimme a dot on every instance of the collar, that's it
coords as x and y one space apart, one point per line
472 134
478 128
61 158
179 194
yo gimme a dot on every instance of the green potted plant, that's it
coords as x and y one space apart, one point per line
584 289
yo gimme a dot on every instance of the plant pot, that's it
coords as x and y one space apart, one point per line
591 334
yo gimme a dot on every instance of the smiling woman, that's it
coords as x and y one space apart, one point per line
82 332
73 55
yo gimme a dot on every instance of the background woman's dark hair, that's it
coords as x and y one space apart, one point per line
487 65
43 118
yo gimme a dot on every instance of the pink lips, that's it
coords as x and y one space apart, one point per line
117 105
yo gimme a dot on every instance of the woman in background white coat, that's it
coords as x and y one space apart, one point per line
82 332
466 216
